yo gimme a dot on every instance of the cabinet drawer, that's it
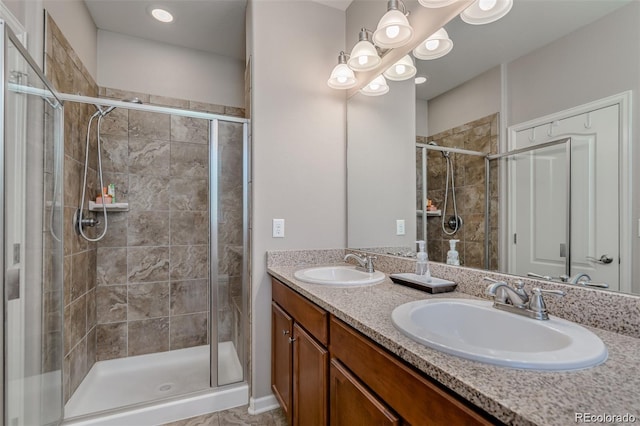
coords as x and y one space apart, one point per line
415 398
353 404
309 316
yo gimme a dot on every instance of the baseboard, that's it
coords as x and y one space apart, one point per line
261 405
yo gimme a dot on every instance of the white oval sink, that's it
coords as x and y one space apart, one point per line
338 276
475 330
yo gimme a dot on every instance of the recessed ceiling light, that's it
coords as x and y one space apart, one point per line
420 80
162 15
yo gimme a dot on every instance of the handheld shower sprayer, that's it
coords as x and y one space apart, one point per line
78 221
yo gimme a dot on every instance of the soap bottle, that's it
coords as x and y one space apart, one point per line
452 254
422 264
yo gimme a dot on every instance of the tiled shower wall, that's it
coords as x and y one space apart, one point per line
469 173
152 268
68 75
144 288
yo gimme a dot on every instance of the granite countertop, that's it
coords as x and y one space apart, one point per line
517 397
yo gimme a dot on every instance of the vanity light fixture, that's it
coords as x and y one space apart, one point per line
436 46
486 11
420 80
342 76
436 3
401 70
393 28
377 87
162 15
364 56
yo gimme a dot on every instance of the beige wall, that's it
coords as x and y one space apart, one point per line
139 65
298 137
74 20
470 101
380 186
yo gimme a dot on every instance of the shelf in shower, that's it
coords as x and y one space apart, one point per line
114 207
432 213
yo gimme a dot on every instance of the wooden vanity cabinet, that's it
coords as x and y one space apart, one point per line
299 358
416 399
282 358
354 382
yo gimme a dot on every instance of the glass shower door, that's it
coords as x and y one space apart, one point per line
32 241
230 237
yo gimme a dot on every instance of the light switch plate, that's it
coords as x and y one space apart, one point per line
400 227
278 228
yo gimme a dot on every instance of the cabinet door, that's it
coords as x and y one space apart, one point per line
352 404
281 360
310 364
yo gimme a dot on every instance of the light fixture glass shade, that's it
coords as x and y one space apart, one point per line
436 3
434 47
486 11
342 76
364 56
377 87
401 70
393 30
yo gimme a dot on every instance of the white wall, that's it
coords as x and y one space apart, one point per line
422 117
381 188
139 65
298 137
471 100
75 22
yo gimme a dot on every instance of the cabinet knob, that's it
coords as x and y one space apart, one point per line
291 339
285 332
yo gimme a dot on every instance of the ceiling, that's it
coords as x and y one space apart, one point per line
214 26
218 26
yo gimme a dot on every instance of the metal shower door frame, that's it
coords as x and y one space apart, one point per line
49 95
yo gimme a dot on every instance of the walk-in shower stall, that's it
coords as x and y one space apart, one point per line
148 324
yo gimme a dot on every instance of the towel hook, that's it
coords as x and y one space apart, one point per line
532 138
587 125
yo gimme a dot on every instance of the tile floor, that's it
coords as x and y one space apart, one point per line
238 416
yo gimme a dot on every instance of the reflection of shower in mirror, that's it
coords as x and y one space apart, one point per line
454 223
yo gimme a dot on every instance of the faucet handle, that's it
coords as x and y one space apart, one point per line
537 301
537 291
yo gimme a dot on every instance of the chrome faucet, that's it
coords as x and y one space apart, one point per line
365 261
517 301
582 279
579 278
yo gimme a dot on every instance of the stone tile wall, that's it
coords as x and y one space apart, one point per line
152 268
68 75
469 171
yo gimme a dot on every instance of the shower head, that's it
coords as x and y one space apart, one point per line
133 101
111 108
445 154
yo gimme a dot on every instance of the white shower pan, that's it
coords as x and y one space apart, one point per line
114 392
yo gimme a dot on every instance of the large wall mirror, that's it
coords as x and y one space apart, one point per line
532 119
